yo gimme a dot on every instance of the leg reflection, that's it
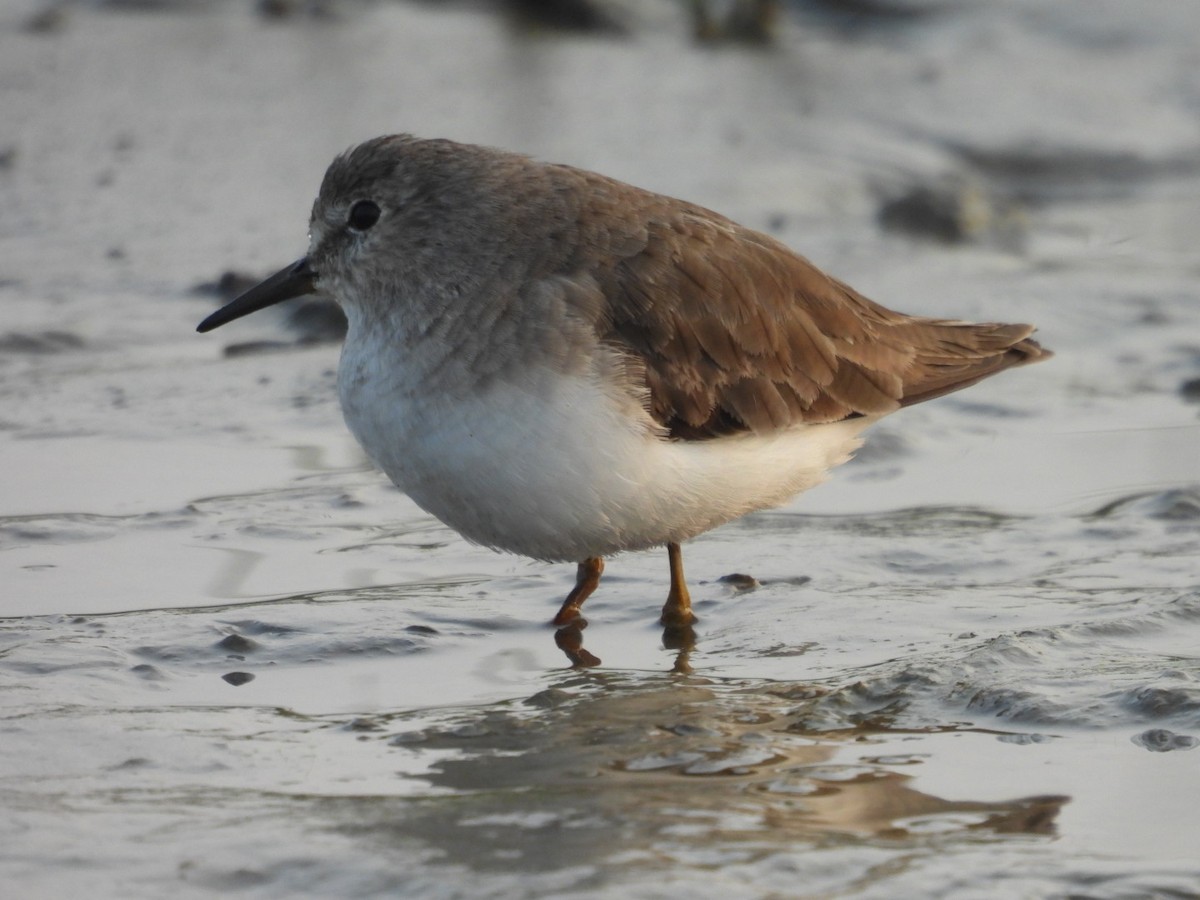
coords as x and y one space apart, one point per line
683 639
569 639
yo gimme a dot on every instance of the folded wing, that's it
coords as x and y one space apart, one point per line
737 333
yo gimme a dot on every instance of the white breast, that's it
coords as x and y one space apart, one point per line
556 467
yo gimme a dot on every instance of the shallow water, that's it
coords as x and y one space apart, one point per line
232 658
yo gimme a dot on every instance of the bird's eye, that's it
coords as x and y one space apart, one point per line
363 215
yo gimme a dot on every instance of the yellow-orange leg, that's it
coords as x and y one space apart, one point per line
587 577
677 611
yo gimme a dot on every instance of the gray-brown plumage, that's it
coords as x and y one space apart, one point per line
731 330
562 365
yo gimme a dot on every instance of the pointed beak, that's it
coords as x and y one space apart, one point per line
294 281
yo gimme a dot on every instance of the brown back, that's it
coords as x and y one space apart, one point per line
736 332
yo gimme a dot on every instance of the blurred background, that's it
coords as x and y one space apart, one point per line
232 657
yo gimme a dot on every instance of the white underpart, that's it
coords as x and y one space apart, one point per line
557 468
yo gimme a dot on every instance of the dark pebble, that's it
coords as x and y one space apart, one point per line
549 698
565 15
318 320
739 581
237 643
229 285
148 672
1190 390
927 213
1160 740
47 21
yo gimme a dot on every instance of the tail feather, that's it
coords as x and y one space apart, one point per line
974 353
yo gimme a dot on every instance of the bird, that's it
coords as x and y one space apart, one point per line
561 365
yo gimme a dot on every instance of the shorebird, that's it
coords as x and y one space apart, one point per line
558 364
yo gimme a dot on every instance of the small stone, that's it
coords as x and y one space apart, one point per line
230 284
1190 390
1160 740
549 698
739 581
148 672
237 643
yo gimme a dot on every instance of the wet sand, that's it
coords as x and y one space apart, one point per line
234 659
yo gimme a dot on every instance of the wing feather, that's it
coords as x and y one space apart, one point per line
735 332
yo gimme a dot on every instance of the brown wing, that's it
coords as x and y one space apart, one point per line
737 332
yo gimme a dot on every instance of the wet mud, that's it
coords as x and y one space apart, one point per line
234 659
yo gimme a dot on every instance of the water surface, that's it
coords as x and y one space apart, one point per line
234 659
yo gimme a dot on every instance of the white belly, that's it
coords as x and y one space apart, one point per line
556 468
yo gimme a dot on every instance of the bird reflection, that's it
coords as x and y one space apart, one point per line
692 769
